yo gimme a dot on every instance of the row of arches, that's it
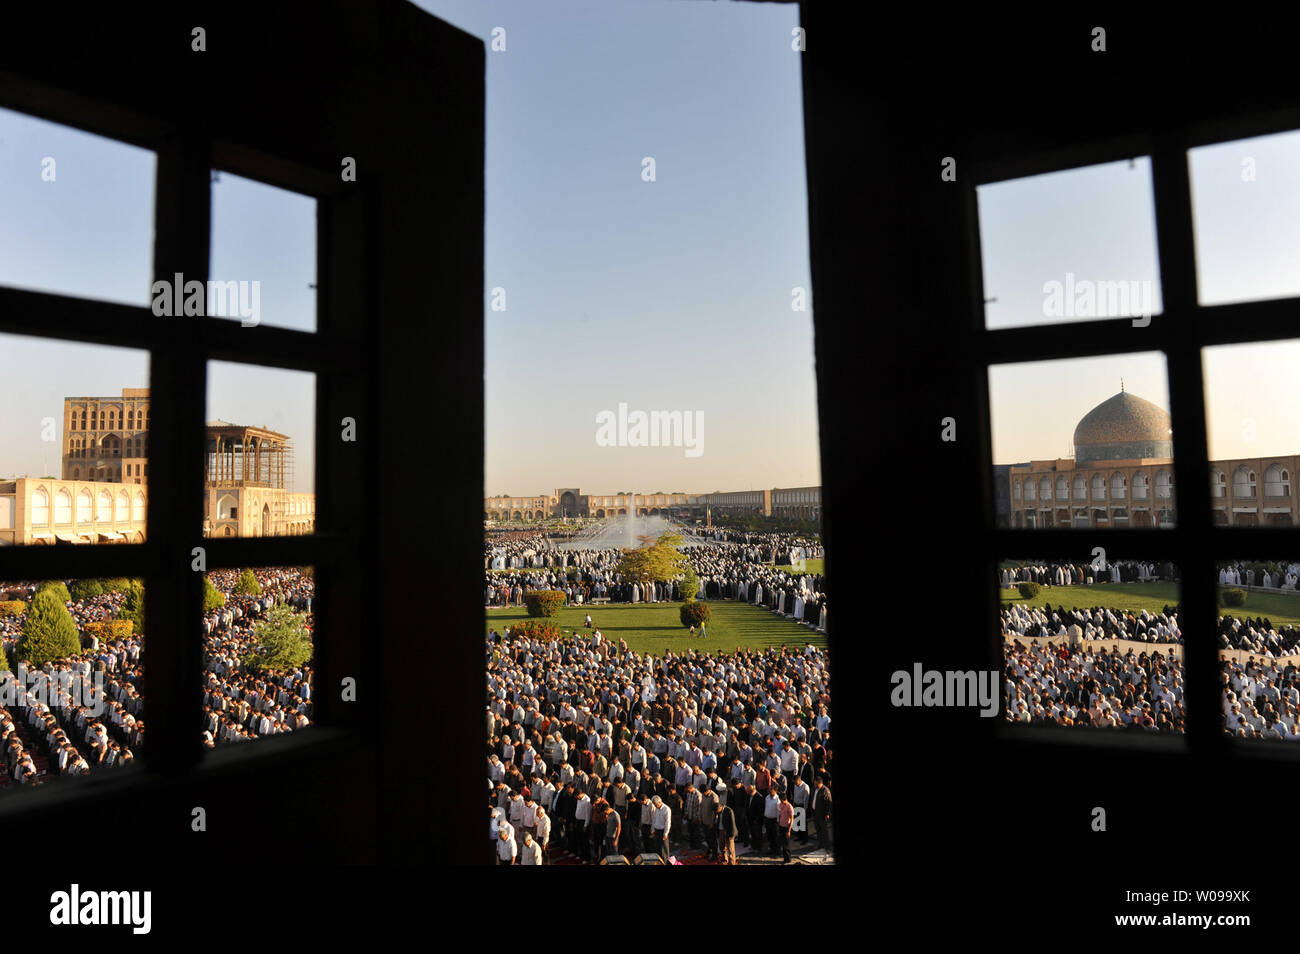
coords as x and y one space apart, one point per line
1277 482
1093 517
105 508
1098 487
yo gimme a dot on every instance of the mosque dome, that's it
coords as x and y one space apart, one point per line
1122 428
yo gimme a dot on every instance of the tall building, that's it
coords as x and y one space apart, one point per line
107 438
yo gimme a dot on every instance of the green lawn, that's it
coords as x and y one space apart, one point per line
1279 609
656 627
814 567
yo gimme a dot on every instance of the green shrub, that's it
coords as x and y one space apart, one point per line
694 613
538 629
115 584
248 585
544 602
1029 589
58 588
212 597
84 589
49 632
690 584
111 629
1233 597
13 607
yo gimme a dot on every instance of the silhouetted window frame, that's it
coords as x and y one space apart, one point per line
1180 332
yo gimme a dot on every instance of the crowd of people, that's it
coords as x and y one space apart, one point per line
1103 688
88 712
1098 622
730 565
1086 574
601 751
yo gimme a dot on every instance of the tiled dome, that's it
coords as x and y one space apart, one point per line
1120 424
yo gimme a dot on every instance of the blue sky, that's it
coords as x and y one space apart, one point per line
665 295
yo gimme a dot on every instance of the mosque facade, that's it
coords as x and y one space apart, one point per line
1122 475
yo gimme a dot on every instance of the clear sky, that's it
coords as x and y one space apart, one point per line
665 295
1097 223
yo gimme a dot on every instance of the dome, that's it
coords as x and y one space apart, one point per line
1121 428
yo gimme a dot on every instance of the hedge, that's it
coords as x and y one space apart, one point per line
544 602
1029 589
13 607
1233 597
694 613
535 629
112 629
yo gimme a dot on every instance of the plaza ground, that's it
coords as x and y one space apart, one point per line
656 628
1280 609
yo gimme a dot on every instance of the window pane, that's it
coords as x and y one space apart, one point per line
261 437
257 650
1077 245
70 703
1084 442
1253 433
74 442
1259 648
1246 217
76 212
263 268
1092 643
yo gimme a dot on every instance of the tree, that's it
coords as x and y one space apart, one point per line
49 632
57 587
282 639
84 589
690 584
4 661
694 613
133 605
248 585
657 561
212 597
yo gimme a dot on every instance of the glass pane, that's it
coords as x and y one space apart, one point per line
257 652
1253 433
261 439
1077 245
263 268
1246 218
1259 648
74 443
70 704
1110 440
76 212
1092 643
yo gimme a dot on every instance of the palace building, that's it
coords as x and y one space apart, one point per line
102 496
804 503
1122 475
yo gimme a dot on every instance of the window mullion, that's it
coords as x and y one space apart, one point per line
1173 202
178 379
